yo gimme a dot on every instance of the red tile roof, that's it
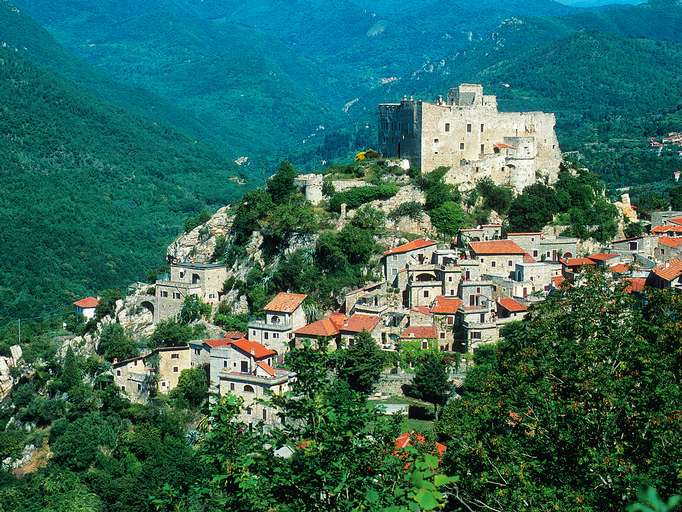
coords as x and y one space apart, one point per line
87 303
493 247
621 268
424 310
410 246
215 343
676 220
421 332
527 258
338 319
577 262
636 284
443 305
234 335
602 256
358 323
667 229
253 348
669 271
557 281
405 440
511 305
528 233
502 146
266 368
673 243
285 302
322 328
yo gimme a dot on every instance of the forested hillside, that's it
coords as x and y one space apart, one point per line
90 194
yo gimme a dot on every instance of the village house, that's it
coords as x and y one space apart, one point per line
669 230
357 323
283 315
630 248
481 233
475 323
662 217
444 311
666 276
605 260
157 371
534 278
415 252
204 280
498 257
370 299
326 331
424 337
668 248
246 369
86 307
510 309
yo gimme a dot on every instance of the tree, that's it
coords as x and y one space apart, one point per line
114 344
368 218
82 440
675 195
584 398
357 245
71 372
107 303
448 218
192 386
194 309
496 197
171 333
533 209
633 229
281 186
362 363
431 381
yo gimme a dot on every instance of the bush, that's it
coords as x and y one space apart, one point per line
411 209
107 303
281 186
171 333
368 218
197 220
192 386
356 197
448 218
496 197
193 309
114 344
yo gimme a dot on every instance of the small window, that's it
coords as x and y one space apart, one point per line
266 334
176 369
231 386
123 388
253 333
244 366
436 141
482 128
634 246
475 335
224 364
118 373
482 149
249 411
275 335
163 384
176 295
493 264
164 294
139 387
175 356
451 320
394 272
510 263
447 127
265 414
426 293
468 127
425 345
442 335
395 257
482 318
461 146
535 254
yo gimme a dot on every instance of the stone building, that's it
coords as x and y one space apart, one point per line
283 315
159 370
498 257
398 258
205 280
467 133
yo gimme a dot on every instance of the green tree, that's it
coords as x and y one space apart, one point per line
357 245
431 381
533 209
448 218
369 218
194 309
78 446
107 303
192 386
114 344
362 363
171 333
281 186
71 375
675 195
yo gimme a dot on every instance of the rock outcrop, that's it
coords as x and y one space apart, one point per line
199 244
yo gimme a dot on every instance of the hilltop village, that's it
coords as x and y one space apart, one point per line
421 285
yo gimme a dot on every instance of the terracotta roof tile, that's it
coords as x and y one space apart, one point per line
255 349
669 271
602 256
410 246
405 440
420 332
577 262
87 303
557 281
358 323
443 305
266 368
666 229
621 268
234 335
322 328
285 302
215 343
511 305
338 319
493 247
636 284
676 220
673 243
424 310
527 258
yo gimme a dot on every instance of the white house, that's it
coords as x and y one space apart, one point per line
86 307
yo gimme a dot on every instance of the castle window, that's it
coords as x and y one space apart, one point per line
482 128
447 127
468 127
461 146
482 148
164 294
118 373
231 386
224 364
510 263
475 335
175 356
426 293
436 141
482 318
176 369
139 387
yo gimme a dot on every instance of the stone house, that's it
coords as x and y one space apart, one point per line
283 315
476 319
498 257
444 311
666 276
325 331
370 299
204 280
669 230
86 307
668 248
138 377
510 309
535 277
556 248
629 248
245 368
415 252
605 260
481 233
424 336
663 217
357 323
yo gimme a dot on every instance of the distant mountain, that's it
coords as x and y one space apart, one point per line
90 193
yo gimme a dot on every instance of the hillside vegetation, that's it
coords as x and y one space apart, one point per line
90 194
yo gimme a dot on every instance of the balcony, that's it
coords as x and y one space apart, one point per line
264 326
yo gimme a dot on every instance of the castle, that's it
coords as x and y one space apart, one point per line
467 133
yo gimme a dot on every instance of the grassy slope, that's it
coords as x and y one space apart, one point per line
91 194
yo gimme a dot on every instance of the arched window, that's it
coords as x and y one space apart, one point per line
248 389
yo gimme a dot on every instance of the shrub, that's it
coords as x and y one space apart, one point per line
114 344
368 218
197 220
448 218
356 197
411 209
281 186
193 309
